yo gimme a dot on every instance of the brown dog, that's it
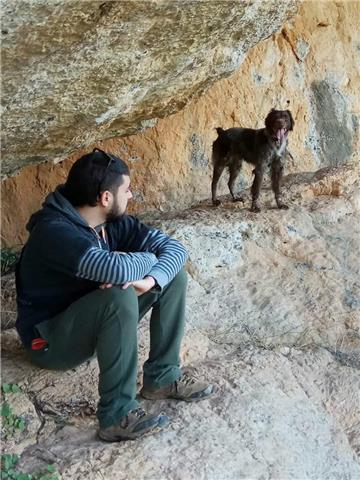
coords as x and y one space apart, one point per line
262 148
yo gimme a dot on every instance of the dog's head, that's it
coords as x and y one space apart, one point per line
279 123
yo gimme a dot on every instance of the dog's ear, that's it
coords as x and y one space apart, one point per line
292 123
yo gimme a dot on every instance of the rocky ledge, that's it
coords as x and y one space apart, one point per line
273 320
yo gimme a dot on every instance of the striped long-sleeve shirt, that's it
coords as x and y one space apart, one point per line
135 251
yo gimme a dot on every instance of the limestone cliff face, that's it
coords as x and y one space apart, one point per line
313 62
78 72
273 298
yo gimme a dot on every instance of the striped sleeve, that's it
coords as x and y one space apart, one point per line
170 253
113 267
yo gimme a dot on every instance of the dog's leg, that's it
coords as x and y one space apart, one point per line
255 188
234 170
292 158
276 176
218 169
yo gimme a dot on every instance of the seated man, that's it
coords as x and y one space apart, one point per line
86 275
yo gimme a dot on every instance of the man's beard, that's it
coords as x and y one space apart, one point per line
114 214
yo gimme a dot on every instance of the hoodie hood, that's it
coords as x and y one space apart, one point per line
54 205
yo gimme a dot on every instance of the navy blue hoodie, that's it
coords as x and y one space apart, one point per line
64 259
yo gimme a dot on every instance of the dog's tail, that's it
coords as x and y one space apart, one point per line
220 131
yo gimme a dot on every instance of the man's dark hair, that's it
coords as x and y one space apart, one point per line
91 175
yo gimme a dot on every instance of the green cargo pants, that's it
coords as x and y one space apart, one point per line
105 322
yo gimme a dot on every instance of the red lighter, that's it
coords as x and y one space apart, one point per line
39 344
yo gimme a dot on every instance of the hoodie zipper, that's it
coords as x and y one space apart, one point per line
98 238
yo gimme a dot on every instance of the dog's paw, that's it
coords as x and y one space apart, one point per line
255 209
238 199
282 206
216 203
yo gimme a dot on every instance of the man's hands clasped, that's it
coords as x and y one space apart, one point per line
141 286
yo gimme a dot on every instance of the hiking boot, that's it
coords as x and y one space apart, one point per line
133 425
187 388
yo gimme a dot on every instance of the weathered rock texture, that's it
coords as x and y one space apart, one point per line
273 320
313 62
78 72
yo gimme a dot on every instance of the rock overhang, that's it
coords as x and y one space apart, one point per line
73 75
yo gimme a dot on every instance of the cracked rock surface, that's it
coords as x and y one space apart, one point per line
273 320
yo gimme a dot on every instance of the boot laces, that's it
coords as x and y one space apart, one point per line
187 378
138 412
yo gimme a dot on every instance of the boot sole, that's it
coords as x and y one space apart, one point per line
134 436
149 396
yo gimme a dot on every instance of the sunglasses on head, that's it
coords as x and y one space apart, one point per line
110 158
